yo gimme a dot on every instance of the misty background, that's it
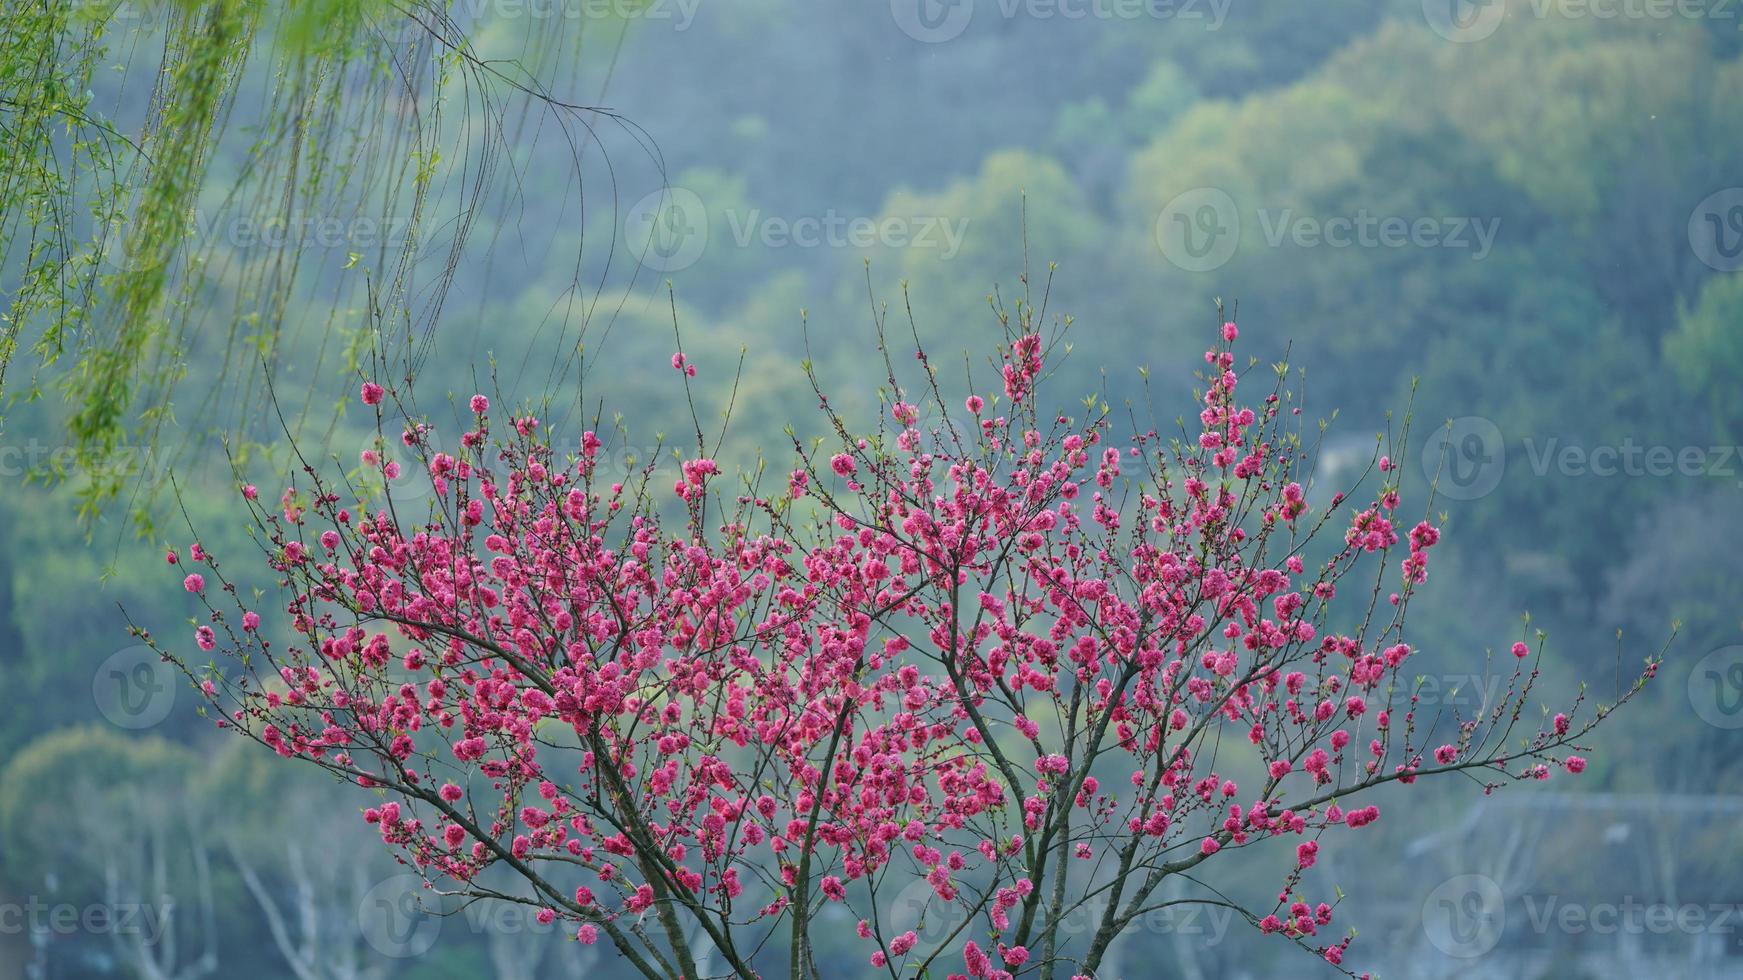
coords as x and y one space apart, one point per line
1520 223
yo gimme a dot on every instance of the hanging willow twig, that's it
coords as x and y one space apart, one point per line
145 146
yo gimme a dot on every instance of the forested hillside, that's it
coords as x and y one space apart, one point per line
1526 231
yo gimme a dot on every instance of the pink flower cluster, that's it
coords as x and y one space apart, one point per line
915 665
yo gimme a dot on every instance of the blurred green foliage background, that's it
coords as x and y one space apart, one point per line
1601 156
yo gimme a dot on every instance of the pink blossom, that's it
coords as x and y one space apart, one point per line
719 706
975 960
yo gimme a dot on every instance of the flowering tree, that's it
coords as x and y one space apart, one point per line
1026 667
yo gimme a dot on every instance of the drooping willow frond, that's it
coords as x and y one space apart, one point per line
212 186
